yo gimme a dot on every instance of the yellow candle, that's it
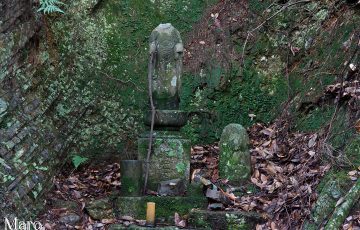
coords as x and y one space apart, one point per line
150 214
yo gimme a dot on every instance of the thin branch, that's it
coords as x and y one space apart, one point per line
268 19
150 73
121 81
278 12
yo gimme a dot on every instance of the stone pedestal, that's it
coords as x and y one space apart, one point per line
170 158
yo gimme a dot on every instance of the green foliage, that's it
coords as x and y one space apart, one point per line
78 160
180 167
245 92
352 151
257 6
50 6
315 119
339 176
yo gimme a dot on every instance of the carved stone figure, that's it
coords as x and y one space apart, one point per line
167 47
234 158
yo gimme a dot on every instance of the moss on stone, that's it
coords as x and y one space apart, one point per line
165 206
333 186
223 220
170 159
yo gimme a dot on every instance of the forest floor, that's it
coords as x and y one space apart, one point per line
287 167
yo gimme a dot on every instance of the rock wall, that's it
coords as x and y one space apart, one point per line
35 132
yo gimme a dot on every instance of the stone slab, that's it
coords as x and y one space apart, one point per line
223 220
170 159
165 206
135 227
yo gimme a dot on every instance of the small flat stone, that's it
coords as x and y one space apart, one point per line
174 187
216 206
70 219
127 218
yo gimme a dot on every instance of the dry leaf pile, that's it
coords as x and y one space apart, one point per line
204 161
352 222
286 170
66 202
89 183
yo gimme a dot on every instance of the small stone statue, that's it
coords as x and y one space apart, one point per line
167 47
234 158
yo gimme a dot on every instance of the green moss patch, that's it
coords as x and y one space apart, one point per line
165 206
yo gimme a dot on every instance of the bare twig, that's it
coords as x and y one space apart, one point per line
121 81
150 73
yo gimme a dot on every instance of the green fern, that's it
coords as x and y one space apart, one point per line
50 6
78 160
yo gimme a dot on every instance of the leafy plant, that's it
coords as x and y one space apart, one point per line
78 160
50 6
180 167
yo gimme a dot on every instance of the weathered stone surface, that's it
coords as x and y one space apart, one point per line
165 206
234 159
171 119
100 209
131 177
134 227
202 219
326 202
70 218
342 210
174 187
166 44
170 159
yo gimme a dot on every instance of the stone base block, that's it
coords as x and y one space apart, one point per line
165 206
203 219
170 159
135 227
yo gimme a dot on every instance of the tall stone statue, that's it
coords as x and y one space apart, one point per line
165 152
167 47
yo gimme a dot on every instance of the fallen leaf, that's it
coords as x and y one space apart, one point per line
108 221
312 141
311 153
352 173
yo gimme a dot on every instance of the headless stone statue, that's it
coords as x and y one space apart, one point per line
167 47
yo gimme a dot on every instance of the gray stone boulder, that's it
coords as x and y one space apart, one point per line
70 219
234 158
175 187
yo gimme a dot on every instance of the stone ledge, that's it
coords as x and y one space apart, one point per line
204 219
165 206
135 227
